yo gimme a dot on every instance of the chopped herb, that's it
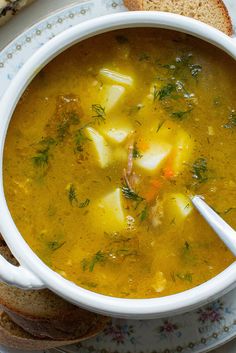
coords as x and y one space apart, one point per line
180 115
155 93
100 114
98 257
172 275
69 118
90 284
42 154
195 69
121 39
128 193
144 214
41 158
84 264
72 195
135 108
108 177
73 117
232 120
186 245
47 141
80 138
136 152
186 248
84 204
55 245
165 91
229 210
160 126
138 122
185 276
200 170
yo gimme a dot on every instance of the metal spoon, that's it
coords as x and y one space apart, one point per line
226 233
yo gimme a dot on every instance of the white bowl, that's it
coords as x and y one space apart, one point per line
33 273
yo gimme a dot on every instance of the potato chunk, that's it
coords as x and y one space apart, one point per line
101 147
112 95
116 135
154 157
113 217
159 282
181 151
177 207
116 77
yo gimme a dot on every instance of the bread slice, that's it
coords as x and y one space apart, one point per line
14 336
44 314
8 8
212 12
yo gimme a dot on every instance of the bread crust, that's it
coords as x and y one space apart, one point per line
134 5
217 5
63 329
15 337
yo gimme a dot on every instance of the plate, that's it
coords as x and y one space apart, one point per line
195 332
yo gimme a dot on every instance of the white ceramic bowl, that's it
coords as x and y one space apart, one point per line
33 273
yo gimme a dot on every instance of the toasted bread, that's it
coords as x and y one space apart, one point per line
212 12
11 335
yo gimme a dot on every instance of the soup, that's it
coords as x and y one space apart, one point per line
104 150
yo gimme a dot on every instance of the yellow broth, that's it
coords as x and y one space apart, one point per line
103 151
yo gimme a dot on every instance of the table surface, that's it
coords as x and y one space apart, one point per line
39 10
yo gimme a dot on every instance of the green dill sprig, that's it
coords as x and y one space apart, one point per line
200 170
232 121
160 126
165 92
99 257
144 214
136 152
188 277
42 154
80 139
130 194
69 118
84 203
195 69
180 115
72 194
55 245
100 114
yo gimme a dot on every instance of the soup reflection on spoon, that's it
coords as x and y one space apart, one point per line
226 233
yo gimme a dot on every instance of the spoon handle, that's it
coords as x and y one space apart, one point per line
226 233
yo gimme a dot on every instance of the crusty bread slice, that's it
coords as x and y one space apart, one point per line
44 314
14 336
212 12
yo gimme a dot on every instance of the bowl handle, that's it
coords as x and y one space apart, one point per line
18 276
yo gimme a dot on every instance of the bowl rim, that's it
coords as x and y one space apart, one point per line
119 307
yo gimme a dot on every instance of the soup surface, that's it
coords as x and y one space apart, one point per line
103 151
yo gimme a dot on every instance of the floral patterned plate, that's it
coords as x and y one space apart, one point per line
194 332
